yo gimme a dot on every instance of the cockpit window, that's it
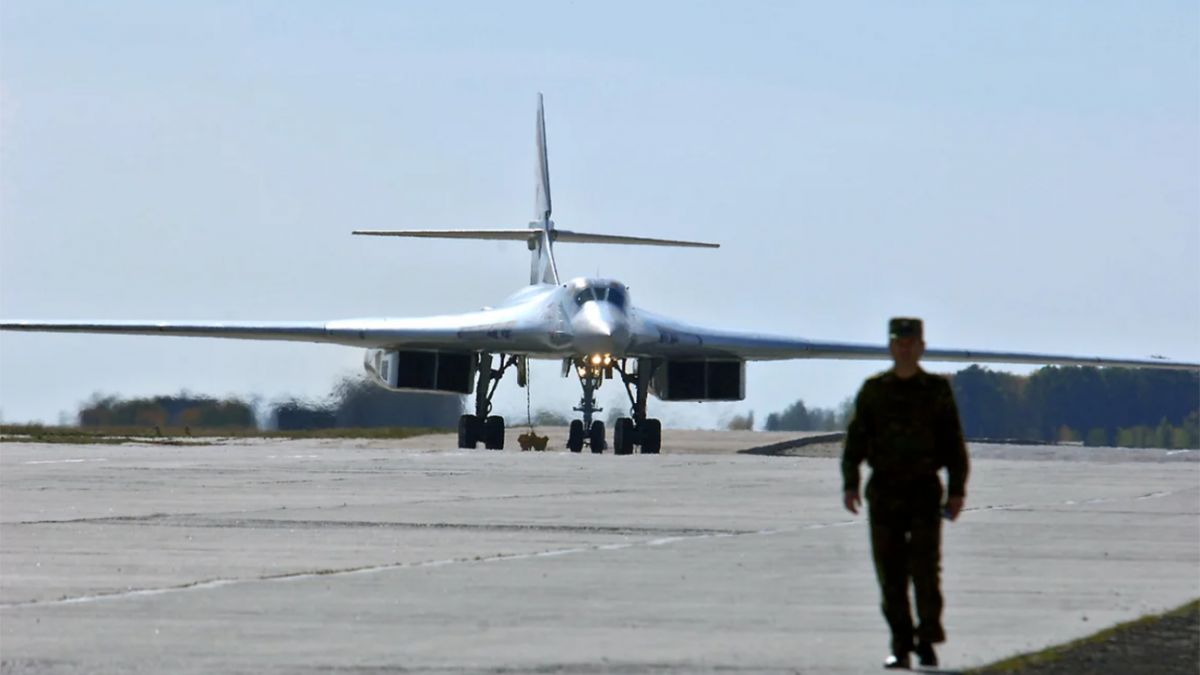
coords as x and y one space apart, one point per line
612 294
584 295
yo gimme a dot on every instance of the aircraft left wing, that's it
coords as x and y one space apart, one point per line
305 331
487 330
664 338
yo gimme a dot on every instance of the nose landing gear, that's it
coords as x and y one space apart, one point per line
592 373
636 430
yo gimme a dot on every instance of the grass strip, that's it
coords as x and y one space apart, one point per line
1056 653
37 433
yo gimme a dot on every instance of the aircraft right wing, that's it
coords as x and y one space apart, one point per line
665 338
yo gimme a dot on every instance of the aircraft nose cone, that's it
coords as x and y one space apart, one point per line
600 330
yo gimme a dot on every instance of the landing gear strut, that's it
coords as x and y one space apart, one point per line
592 374
638 429
483 426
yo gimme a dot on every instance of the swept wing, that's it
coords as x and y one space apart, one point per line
661 337
510 332
490 330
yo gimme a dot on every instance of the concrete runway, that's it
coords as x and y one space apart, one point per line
364 557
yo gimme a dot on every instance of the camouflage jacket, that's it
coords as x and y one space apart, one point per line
907 430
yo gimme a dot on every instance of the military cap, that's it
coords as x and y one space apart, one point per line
902 327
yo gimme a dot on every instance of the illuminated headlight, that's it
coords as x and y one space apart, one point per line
582 371
596 360
607 360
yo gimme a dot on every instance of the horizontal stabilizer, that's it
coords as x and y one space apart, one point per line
585 238
524 234
528 234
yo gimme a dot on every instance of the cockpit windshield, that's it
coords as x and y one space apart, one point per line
609 292
584 295
617 296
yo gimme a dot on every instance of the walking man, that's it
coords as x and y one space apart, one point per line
906 427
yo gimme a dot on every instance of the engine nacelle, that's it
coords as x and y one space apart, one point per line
700 380
432 371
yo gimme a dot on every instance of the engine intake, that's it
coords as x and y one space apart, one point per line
435 371
700 380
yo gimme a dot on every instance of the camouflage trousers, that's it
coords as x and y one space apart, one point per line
906 536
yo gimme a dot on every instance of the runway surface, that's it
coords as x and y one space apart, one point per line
412 557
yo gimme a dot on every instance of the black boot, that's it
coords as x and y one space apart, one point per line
897 662
925 654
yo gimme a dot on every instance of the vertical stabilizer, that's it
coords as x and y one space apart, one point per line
542 268
543 168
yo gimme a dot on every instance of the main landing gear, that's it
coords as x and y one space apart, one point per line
636 430
639 430
483 426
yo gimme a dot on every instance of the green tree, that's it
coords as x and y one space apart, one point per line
797 417
741 422
1162 435
1096 437
793 418
990 404
1068 435
1180 438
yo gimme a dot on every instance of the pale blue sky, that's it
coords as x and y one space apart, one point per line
1026 176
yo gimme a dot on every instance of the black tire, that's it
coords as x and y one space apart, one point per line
493 433
468 431
596 437
575 436
651 437
623 436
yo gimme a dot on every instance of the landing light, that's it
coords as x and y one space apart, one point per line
596 360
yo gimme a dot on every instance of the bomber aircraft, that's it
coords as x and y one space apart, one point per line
589 324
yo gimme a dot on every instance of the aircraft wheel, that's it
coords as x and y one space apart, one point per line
468 431
596 437
651 437
493 433
623 436
575 436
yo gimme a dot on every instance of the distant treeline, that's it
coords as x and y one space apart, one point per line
1098 406
1095 406
359 403
798 417
182 410
354 403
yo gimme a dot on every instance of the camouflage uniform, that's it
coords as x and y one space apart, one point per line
907 429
